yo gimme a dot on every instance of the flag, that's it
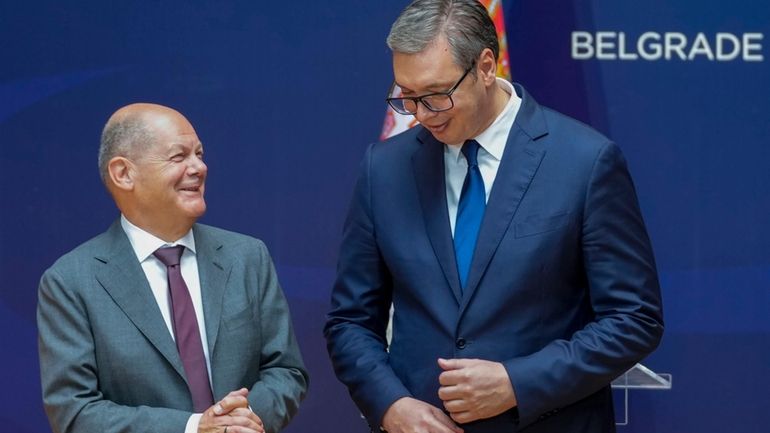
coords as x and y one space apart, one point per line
396 123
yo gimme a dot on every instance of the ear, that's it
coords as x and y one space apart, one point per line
487 66
122 172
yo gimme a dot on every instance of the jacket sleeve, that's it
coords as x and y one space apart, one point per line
361 297
283 380
624 293
71 395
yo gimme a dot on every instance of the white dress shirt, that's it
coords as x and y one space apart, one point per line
492 145
144 245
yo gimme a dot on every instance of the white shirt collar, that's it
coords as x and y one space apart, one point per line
144 243
493 138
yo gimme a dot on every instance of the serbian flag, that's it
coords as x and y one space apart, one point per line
396 123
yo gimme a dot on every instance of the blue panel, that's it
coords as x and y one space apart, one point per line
286 95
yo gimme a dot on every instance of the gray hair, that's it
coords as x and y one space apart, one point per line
465 24
126 136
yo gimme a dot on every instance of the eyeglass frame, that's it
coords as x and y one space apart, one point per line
419 99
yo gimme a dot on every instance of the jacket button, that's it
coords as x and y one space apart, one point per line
460 343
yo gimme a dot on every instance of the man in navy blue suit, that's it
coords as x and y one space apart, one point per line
507 237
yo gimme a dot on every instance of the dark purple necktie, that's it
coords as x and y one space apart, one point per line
188 337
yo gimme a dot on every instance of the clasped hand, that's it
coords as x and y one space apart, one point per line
232 413
471 389
474 389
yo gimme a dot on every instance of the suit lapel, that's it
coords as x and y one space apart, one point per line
213 270
123 278
428 164
518 166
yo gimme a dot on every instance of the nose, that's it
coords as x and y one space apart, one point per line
423 112
197 167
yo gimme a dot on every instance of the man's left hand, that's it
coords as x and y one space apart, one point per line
231 415
474 389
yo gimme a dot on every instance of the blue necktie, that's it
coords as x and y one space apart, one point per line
470 212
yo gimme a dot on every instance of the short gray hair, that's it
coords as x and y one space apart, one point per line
125 136
465 24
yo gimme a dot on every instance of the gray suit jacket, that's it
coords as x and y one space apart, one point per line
109 364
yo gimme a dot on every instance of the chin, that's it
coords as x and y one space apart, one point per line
199 212
450 140
195 211
448 136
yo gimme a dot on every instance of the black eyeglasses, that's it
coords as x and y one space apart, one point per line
436 102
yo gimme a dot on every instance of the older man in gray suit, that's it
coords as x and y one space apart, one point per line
161 324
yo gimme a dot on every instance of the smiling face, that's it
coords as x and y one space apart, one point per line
160 187
434 70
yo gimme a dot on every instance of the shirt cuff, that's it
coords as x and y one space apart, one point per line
192 423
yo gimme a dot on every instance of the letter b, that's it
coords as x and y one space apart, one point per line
582 45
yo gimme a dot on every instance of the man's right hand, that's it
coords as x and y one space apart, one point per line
409 415
233 413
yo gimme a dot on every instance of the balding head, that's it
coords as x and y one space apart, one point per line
151 161
130 131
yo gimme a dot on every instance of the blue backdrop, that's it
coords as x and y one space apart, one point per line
286 95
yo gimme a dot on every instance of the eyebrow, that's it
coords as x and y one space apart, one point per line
176 146
433 88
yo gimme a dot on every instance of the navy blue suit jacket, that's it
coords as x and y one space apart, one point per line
562 289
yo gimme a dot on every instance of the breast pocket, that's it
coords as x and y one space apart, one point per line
536 224
239 319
